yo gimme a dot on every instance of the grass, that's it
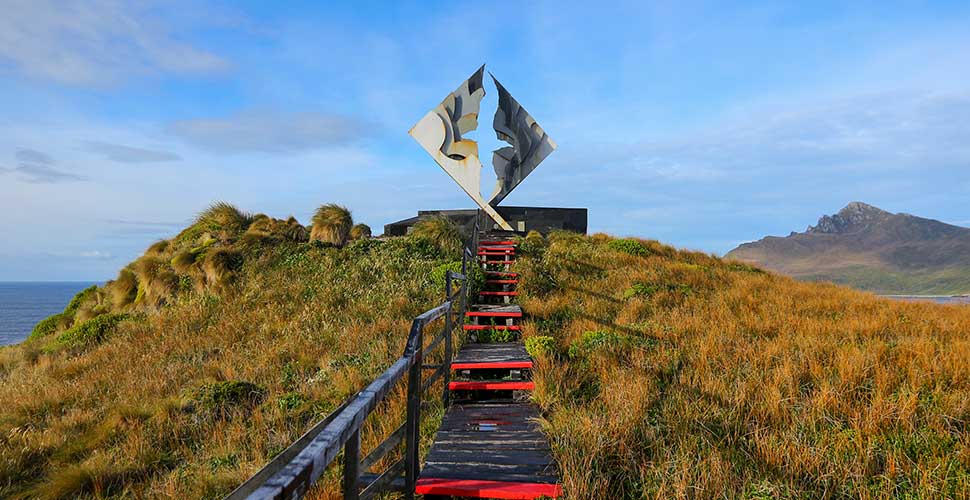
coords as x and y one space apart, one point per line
332 225
187 397
660 373
441 232
671 374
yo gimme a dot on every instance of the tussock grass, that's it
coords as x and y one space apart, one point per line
439 231
223 216
188 398
671 374
360 231
332 224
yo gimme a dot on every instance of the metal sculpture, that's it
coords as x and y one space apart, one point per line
441 133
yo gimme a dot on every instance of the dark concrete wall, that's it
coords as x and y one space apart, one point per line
522 219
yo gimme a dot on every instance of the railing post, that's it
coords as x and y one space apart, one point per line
446 394
413 424
352 467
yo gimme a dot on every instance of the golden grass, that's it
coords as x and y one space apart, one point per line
360 231
166 406
332 224
679 375
441 232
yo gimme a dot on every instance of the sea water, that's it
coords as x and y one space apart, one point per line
24 304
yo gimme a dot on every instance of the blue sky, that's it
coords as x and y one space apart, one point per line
700 124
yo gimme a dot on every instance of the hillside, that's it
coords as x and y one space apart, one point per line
661 373
677 375
868 248
206 357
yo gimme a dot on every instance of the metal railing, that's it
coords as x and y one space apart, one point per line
291 474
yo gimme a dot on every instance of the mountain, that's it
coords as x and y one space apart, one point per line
869 248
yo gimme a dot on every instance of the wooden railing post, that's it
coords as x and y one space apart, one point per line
352 467
446 394
413 430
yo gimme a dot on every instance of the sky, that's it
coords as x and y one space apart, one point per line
703 125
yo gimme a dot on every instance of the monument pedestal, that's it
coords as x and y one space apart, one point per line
522 219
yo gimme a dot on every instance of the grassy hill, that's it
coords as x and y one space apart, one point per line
661 373
678 375
206 357
868 248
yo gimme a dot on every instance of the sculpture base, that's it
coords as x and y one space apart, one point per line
522 219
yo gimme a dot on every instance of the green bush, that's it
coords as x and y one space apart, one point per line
291 401
640 289
441 232
51 325
533 245
80 298
540 346
630 246
476 277
595 341
93 331
220 398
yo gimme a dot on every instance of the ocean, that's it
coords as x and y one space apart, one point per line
24 304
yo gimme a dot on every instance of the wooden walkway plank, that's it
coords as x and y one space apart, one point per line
489 445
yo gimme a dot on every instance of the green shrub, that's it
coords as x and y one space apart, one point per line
291 401
221 398
739 267
80 299
630 246
441 232
51 325
363 246
497 335
476 277
594 341
641 289
93 331
533 245
540 346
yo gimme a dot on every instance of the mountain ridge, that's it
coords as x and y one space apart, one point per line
872 249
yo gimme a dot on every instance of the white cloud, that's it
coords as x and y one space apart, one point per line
127 154
95 42
271 132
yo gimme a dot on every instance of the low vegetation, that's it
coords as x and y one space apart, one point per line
671 374
208 355
661 373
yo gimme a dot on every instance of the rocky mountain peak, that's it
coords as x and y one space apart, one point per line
855 215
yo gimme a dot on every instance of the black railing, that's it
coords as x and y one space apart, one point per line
291 474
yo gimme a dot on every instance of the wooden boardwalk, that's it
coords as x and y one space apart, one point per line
490 444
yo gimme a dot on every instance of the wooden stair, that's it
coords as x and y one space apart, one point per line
490 444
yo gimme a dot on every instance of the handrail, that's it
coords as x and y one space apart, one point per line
291 474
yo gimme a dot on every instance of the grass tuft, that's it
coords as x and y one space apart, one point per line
331 225
439 231
360 231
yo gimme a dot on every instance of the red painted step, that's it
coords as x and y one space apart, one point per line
499 294
499 262
492 314
496 248
487 385
495 242
487 365
514 328
496 254
478 488
502 273
501 282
